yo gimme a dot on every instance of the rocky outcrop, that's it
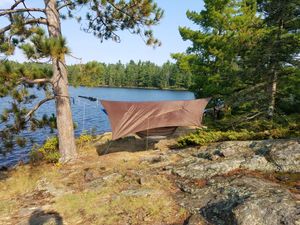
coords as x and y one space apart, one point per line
244 183
243 200
216 159
226 183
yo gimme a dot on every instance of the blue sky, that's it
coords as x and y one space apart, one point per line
88 47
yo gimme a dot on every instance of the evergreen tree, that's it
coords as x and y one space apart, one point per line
242 50
24 30
164 77
131 72
280 47
225 27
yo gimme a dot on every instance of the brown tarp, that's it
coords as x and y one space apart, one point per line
131 117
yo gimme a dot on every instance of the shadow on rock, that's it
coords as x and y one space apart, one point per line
220 213
39 217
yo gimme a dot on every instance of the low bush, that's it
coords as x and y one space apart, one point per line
48 152
84 139
240 122
203 137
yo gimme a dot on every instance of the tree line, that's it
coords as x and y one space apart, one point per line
140 74
96 74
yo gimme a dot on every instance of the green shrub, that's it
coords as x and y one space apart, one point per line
84 139
239 122
46 153
202 137
49 151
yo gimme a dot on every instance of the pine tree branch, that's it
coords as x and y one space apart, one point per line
13 10
16 4
13 7
37 106
36 81
29 13
4 12
26 22
248 89
122 10
64 5
245 119
4 29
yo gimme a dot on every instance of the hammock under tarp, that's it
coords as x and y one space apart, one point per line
160 131
138 117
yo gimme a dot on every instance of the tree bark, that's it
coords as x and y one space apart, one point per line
64 118
273 90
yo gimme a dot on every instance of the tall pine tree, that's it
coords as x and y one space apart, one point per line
241 50
278 52
25 30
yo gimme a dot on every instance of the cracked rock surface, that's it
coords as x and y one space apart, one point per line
244 183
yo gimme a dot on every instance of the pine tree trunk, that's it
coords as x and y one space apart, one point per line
273 90
274 75
64 118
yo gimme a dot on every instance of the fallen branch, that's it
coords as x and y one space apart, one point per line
253 116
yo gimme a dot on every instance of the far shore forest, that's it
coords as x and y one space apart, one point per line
244 54
133 74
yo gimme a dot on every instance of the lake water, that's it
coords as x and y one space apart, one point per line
86 114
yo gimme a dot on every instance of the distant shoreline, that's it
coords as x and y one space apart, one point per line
128 87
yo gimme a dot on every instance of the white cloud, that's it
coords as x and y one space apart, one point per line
6 3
